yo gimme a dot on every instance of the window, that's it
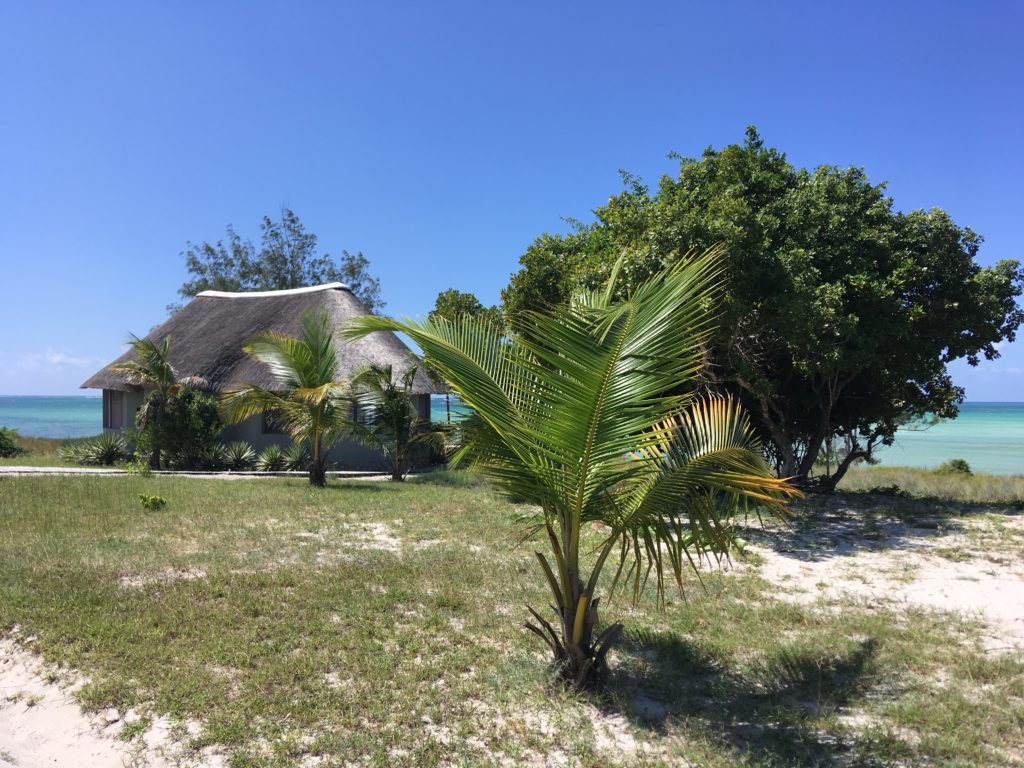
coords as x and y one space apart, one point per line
113 409
361 415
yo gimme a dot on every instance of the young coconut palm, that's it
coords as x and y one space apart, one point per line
579 411
153 369
394 427
308 402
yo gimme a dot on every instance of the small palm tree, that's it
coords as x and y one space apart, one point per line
153 368
308 402
394 427
587 411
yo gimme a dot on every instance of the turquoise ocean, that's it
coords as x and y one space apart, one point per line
989 436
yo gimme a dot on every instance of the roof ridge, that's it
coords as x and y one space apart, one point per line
264 294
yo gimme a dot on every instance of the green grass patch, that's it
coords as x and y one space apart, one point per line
381 623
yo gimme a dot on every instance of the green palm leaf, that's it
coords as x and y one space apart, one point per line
587 411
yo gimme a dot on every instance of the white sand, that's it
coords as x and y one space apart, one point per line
41 724
902 568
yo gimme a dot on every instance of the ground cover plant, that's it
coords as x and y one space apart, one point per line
355 624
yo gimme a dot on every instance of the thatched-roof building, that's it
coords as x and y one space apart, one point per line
207 336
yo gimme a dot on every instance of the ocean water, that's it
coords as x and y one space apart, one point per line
989 436
52 416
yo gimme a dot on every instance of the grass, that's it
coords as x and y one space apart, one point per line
977 488
38 452
380 624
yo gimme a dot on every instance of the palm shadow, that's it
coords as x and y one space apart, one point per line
764 711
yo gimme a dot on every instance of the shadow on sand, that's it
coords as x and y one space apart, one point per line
763 712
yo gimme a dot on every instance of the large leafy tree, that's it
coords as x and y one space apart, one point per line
390 421
307 401
152 369
287 258
840 313
587 411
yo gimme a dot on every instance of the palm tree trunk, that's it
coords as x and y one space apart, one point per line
317 465
154 457
318 473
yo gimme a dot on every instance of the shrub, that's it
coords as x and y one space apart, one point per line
955 467
186 432
103 450
152 502
271 459
296 458
9 443
239 455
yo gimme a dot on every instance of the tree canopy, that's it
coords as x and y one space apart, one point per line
452 304
839 313
287 258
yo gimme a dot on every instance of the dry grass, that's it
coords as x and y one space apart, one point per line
974 488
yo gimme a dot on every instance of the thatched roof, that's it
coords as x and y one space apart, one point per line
208 333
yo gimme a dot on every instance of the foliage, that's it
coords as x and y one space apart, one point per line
296 458
186 431
392 424
152 369
588 413
287 258
452 304
152 502
103 450
955 466
271 459
839 314
9 443
308 402
239 455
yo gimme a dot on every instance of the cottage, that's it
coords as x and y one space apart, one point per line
207 336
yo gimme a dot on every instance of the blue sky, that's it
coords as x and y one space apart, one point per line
441 138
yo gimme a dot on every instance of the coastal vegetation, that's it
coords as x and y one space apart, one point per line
370 620
9 443
839 313
588 412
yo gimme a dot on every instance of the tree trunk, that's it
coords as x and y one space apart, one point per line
318 473
154 457
579 660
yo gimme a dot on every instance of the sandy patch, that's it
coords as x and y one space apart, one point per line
166 576
899 564
41 724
